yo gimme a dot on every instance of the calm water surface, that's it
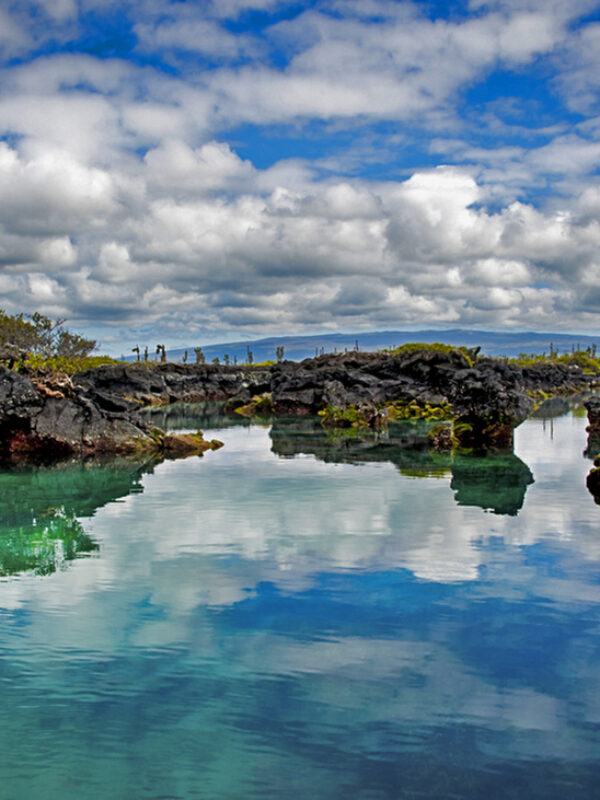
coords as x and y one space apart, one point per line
290 618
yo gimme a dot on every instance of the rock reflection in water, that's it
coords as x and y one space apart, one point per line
40 506
184 416
494 481
553 407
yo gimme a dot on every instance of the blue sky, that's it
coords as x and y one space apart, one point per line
203 171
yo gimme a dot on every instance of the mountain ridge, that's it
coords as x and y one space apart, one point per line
296 348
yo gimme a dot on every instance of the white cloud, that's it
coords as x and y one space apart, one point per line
126 184
114 264
577 80
570 154
175 168
60 9
198 35
58 253
188 239
52 192
13 37
493 271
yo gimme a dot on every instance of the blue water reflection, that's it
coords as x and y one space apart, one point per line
257 626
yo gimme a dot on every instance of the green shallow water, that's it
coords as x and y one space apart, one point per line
292 616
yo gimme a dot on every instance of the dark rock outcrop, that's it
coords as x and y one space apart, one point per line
98 410
551 376
159 384
592 407
487 388
488 398
37 418
44 419
593 479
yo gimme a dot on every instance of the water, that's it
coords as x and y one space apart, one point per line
294 617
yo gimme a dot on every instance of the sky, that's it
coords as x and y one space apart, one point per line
195 172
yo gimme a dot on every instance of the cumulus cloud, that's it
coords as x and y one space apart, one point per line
581 62
132 183
197 239
174 168
52 192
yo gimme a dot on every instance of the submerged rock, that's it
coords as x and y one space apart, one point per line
440 437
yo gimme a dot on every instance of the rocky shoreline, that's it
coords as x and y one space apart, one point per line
479 401
43 419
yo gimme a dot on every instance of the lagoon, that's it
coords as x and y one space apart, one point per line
295 616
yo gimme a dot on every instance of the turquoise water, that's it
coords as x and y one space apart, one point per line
294 617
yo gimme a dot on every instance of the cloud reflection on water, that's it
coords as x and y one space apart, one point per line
362 610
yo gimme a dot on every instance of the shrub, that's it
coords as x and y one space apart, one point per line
40 336
39 344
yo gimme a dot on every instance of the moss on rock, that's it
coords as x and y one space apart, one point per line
261 405
186 444
415 410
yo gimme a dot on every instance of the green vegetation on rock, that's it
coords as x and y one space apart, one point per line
437 347
587 361
368 416
70 366
350 417
416 410
259 405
